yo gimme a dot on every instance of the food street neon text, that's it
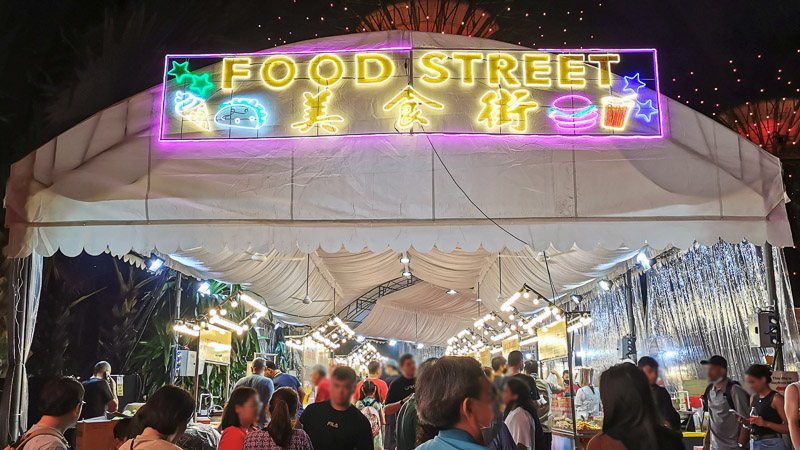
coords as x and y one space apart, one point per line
571 93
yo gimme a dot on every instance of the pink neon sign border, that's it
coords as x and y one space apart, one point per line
661 116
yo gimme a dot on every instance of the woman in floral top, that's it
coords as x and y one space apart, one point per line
280 434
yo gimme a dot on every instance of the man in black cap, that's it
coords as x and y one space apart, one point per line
721 397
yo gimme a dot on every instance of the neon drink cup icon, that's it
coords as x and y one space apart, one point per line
573 113
616 111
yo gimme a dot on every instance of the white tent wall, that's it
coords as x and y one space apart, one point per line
110 183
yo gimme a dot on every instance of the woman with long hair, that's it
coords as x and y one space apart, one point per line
454 404
631 420
519 413
238 418
280 433
162 420
370 405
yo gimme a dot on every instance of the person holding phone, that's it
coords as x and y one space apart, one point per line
101 392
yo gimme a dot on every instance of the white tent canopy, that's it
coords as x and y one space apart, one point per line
249 211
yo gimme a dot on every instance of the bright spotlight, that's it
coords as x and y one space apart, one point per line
204 288
643 260
407 274
420 345
605 284
392 343
576 298
360 338
405 259
452 291
155 264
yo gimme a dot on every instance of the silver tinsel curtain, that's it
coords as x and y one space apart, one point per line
697 304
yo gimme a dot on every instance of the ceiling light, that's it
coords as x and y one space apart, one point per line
478 299
223 312
253 303
360 338
537 300
392 342
234 303
307 300
452 291
605 284
407 274
576 298
155 264
420 345
405 259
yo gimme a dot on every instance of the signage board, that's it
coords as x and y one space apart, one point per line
509 345
553 341
486 357
553 93
214 346
781 380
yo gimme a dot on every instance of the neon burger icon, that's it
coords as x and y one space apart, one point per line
573 113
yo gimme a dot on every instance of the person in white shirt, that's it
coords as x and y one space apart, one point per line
587 399
60 403
519 413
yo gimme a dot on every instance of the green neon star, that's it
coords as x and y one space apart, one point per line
180 71
201 83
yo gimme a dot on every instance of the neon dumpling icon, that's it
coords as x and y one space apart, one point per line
241 113
193 109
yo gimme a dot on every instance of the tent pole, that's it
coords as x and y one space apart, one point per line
25 281
173 373
629 310
769 265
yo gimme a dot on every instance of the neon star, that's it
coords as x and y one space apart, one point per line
180 71
633 84
646 110
316 113
201 83
409 100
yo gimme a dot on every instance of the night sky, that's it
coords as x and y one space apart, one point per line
65 60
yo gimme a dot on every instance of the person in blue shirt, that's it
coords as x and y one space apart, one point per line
455 406
280 379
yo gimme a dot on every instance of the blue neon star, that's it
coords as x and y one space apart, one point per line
633 84
201 83
180 71
646 110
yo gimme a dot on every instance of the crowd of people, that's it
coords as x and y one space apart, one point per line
449 403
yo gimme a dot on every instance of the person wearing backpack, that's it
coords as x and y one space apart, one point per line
370 405
722 396
60 402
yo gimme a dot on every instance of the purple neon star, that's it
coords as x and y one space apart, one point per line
646 110
633 84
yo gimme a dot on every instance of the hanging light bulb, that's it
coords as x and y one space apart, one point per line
223 312
407 274
254 320
307 300
605 284
405 259
234 303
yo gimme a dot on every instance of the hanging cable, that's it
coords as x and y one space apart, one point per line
450 174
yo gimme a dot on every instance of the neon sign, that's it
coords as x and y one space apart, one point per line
543 93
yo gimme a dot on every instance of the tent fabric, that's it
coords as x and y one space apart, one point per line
108 183
280 280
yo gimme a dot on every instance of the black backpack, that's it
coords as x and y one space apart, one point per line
727 394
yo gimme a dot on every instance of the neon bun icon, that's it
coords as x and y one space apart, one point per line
573 113
241 113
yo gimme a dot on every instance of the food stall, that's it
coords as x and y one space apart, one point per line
374 157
